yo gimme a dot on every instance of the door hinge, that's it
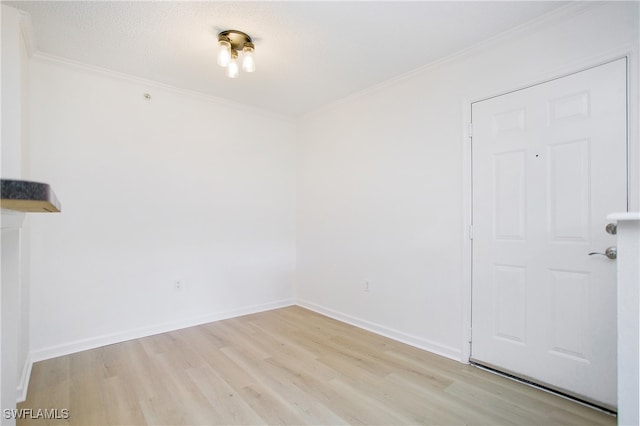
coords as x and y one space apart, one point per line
471 232
470 130
469 334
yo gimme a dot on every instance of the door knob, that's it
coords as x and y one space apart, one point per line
610 252
611 228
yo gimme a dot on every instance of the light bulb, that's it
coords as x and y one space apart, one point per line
224 52
232 68
248 62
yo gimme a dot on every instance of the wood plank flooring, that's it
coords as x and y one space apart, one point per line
286 366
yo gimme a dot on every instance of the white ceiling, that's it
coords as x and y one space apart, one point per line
308 54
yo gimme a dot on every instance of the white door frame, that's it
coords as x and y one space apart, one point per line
633 162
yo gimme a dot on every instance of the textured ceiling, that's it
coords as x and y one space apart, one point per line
307 54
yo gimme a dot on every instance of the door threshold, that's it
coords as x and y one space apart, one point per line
545 389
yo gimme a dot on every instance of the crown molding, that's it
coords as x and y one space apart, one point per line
116 75
529 27
28 35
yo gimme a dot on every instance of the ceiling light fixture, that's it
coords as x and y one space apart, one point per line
232 44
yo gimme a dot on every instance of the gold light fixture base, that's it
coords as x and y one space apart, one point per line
238 39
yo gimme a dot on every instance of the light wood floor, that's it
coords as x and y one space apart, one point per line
286 366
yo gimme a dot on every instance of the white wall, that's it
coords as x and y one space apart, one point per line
178 187
15 246
11 93
628 243
381 178
10 332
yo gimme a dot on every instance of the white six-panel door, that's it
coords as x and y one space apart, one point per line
549 164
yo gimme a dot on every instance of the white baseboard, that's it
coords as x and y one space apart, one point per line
23 383
109 339
418 342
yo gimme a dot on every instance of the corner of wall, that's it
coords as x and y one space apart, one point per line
28 35
415 341
23 382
